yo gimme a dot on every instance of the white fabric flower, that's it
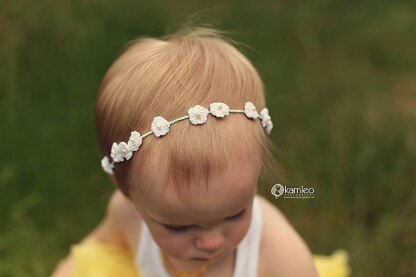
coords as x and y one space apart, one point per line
120 151
250 110
135 141
107 166
198 115
265 117
116 154
125 150
219 109
266 121
269 127
160 126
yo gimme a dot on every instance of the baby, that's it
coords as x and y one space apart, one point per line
183 126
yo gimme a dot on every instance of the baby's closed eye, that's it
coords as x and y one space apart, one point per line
180 229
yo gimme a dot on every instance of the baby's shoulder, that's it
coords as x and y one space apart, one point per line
282 251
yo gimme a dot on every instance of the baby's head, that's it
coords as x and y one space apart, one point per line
203 177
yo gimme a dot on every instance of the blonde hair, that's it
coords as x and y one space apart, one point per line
165 77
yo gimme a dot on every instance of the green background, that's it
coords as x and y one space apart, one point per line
340 79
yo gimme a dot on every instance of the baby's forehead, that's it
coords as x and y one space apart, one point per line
216 203
163 173
228 182
221 190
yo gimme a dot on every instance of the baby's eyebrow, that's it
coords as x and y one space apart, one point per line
194 225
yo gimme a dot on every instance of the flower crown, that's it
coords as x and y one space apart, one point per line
197 115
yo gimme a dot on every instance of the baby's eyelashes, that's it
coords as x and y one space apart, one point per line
237 216
180 229
177 229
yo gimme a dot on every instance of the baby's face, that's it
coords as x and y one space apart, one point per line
216 222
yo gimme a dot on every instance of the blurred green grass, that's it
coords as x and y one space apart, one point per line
341 84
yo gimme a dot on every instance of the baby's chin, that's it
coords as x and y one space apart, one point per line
213 258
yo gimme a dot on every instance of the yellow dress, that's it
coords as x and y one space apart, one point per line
335 265
95 259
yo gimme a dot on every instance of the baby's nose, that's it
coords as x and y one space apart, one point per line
211 241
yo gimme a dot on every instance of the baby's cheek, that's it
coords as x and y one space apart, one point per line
237 232
177 245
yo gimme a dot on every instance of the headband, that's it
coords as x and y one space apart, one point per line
197 115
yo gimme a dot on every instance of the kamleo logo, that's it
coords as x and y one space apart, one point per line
277 190
292 192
